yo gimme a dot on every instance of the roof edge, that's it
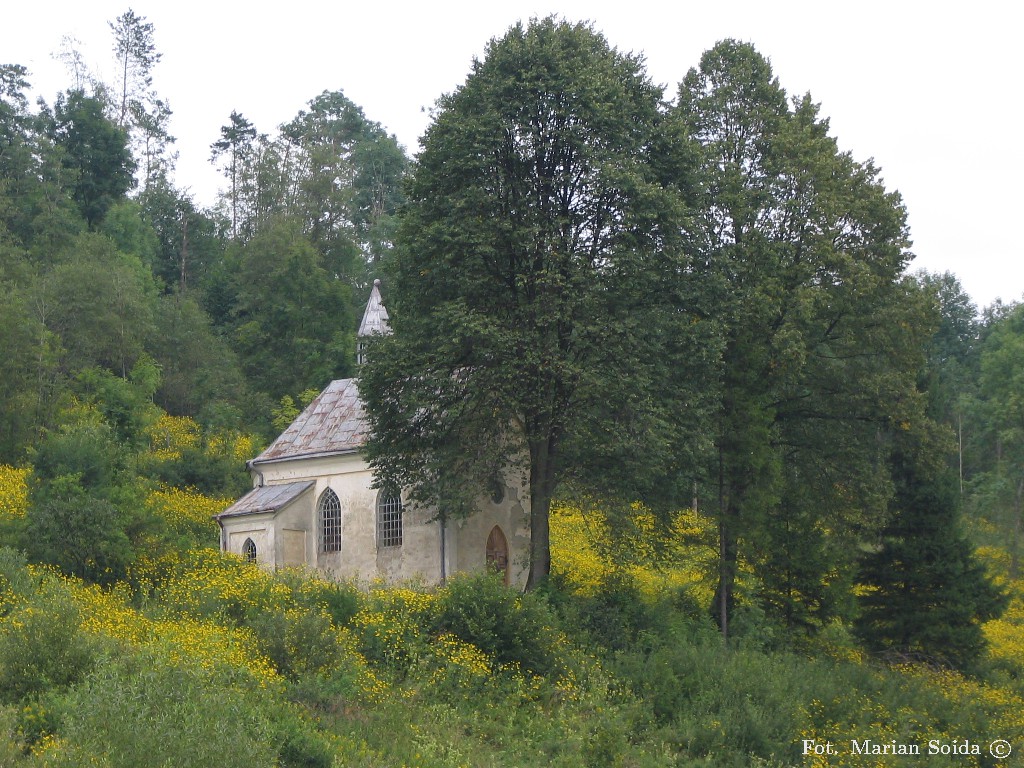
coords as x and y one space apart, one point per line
301 456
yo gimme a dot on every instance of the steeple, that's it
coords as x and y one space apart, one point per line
375 320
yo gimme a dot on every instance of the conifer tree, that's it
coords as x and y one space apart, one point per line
927 594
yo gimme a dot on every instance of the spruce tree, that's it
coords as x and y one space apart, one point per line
926 593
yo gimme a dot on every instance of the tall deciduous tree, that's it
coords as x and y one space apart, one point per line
345 174
95 153
136 54
524 301
999 440
292 327
817 356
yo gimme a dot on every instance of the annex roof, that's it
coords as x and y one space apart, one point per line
333 423
375 317
267 498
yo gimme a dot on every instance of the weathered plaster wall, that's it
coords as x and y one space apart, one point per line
292 535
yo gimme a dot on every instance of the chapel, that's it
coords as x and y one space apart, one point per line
313 503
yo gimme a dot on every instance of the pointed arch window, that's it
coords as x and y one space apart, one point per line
497 553
389 520
249 551
329 517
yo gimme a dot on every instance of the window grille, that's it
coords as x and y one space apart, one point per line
389 520
329 512
249 551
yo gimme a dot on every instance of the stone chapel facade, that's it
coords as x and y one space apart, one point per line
313 503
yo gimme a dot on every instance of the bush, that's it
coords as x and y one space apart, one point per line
302 746
341 600
616 613
11 750
509 627
42 646
15 580
297 641
135 711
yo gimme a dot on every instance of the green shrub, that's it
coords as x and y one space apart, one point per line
616 613
12 751
15 580
341 600
42 646
135 711
509 627
297 641
84 534
302 746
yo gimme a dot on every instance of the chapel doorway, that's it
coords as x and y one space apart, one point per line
497 553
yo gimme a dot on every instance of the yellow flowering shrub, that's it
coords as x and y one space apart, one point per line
389 626
187 510
184 641
1005 636
170 435
13 492
240 447
457 664
208 582
584 550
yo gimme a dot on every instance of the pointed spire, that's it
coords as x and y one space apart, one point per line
375 320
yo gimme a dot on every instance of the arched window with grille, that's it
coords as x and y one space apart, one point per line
389 520
249 551
329 517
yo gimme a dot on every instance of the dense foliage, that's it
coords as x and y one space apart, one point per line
621 669
526 328
688 325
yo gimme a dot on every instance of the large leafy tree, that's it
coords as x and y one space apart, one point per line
292 328
94 152
35 210
524 299
817 355
345 178
998 440
188 239
99 303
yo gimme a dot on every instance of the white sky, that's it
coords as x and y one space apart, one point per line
931 91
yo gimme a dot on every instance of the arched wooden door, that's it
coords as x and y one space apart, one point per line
497 553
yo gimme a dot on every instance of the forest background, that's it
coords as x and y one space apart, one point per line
825 445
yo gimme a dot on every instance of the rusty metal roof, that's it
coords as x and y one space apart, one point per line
333 423
267 498
375 317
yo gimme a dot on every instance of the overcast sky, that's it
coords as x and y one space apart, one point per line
931 91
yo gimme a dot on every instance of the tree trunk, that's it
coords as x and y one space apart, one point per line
1018 502
541 489
728 550
540 541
